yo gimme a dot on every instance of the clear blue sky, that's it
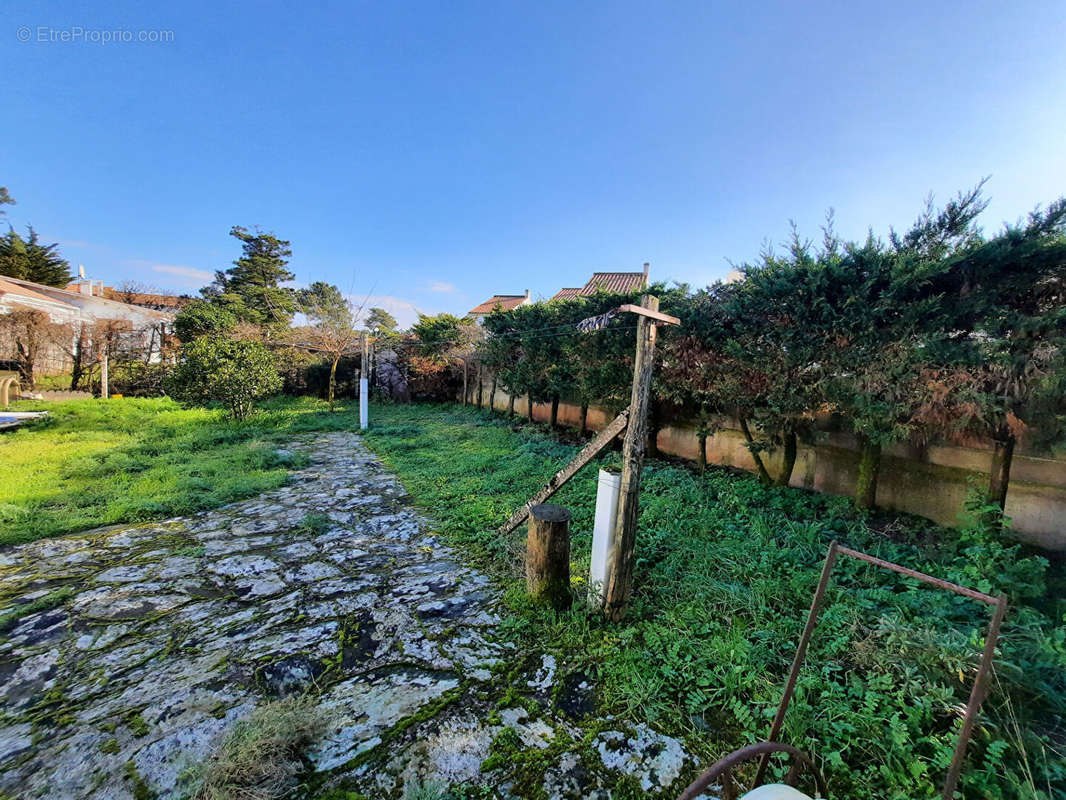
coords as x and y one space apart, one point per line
437 153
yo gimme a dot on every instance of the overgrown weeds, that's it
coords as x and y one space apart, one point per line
263 754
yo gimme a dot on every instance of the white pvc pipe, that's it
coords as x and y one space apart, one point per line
363 415
603 533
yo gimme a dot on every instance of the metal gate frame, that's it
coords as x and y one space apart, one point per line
980 684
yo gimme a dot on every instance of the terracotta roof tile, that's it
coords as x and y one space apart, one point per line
567 294
504 301
614 282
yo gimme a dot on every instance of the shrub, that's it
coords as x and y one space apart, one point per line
201 318
227 371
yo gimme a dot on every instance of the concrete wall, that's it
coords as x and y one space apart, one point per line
931 481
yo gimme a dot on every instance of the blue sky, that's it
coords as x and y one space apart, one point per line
432 154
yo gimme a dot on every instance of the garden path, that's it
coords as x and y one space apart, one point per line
126 653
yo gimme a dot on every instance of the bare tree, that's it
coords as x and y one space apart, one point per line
27 335
331 331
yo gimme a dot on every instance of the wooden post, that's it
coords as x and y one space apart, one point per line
620 584
105 386
548 556
480 384
464 382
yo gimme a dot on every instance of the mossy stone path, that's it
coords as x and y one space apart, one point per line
126 653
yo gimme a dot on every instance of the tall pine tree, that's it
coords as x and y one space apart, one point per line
250 289
29 260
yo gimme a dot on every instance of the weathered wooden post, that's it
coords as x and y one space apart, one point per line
620 558
617 566
105 383
548 556
464 382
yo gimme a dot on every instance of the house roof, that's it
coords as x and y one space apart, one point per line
159 302
568 293
57 295
10 287
504 302
614 282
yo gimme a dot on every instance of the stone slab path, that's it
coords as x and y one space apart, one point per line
140 646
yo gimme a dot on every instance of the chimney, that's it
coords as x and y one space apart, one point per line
527 294
646 266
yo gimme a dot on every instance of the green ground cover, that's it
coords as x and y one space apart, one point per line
93 462
725 572
724 575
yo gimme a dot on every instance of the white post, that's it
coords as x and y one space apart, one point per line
363 391
105 386
602 533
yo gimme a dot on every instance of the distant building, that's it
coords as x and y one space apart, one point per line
614 282
142 329
503 302
160 302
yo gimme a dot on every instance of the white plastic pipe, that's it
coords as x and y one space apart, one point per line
363 413
603 533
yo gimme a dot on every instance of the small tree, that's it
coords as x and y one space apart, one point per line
26 333
5 200
223 370
332 330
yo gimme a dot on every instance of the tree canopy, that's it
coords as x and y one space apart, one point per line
379 321
250 289
29 260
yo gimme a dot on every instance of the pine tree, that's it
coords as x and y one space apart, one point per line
250 289
29 260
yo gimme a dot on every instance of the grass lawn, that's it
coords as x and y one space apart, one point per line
725 572
93 463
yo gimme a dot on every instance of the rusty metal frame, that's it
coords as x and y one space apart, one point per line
721 772
980 685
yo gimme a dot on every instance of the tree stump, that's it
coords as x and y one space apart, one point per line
548 556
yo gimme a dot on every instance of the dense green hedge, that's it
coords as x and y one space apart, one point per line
937 333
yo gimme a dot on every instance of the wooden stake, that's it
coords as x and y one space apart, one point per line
588 452
464 382
105 385
620 584
548 556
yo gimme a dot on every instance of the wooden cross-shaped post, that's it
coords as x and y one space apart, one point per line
620 556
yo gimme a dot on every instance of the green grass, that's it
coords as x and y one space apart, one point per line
724 577
93 462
